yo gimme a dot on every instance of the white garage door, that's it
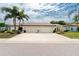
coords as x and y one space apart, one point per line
40 29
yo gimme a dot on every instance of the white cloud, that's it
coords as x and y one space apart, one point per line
42 12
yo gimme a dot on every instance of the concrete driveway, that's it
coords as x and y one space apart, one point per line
38 38
39 44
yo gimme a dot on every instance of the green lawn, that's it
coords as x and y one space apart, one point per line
7 35
73 35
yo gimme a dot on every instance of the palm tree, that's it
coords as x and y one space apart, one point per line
22 16
11 13
14 13
76 19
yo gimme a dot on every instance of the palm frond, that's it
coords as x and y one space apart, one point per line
22 15
26 17
6 9
7 17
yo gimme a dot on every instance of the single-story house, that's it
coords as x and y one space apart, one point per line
39 27
45 27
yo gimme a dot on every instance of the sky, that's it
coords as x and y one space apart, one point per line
44 12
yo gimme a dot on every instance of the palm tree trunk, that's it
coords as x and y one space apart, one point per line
77 26
77 15
19 23
14 22
5 24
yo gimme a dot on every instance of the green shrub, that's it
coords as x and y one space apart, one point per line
2 31
66 30
78 29
16 31
13 30
71 29
24 31
20 29
54 30
9 31
2 24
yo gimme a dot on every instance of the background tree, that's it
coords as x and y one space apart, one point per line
53 22
61 22
58 22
